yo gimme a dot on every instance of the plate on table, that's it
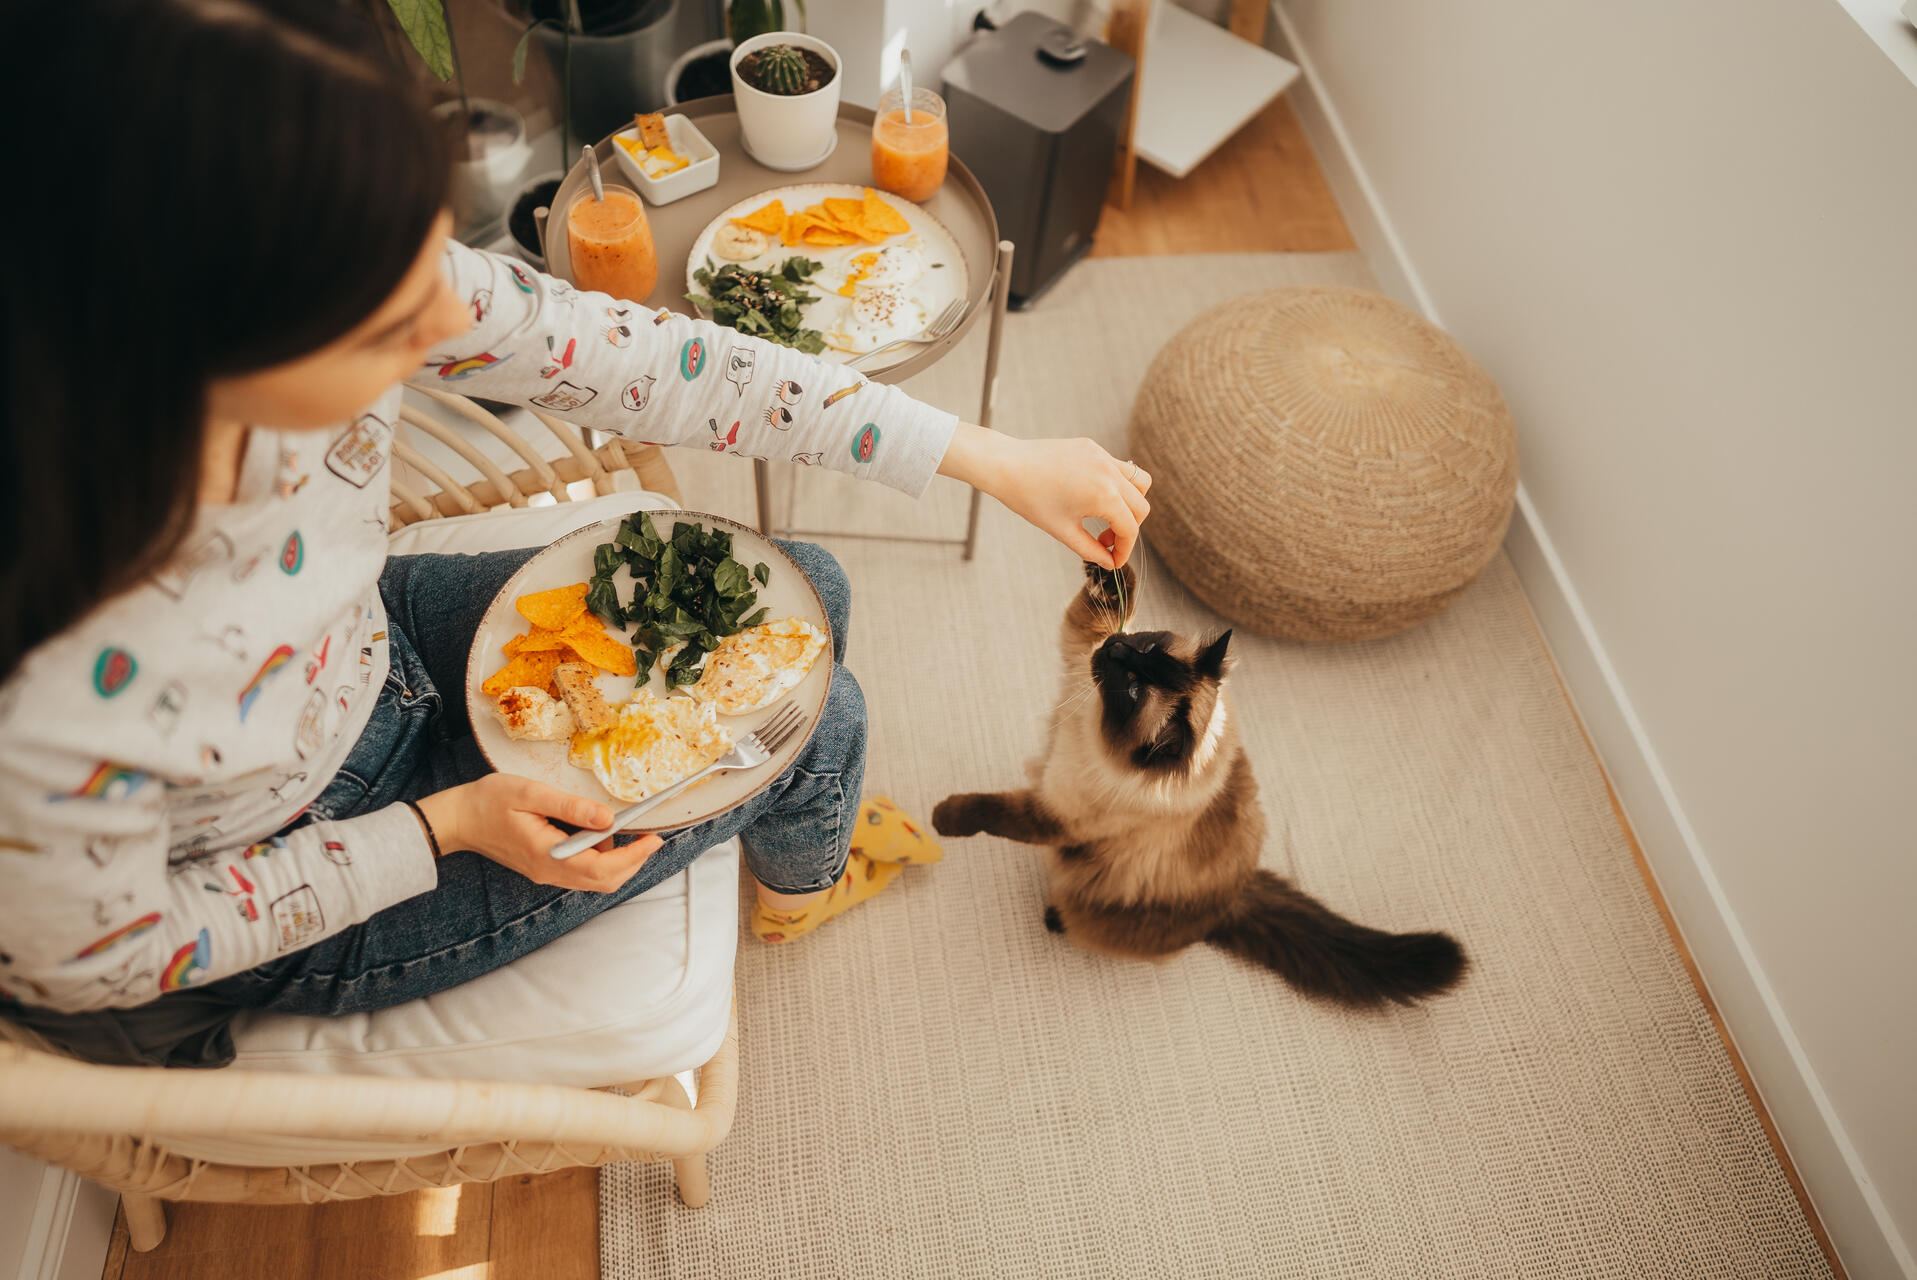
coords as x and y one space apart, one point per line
787 593
926 243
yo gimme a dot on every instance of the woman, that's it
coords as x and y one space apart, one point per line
235 770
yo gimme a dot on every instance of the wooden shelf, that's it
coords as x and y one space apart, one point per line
1199 84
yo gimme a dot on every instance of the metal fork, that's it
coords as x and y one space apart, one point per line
748 752
942 324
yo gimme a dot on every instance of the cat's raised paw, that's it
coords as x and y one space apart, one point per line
958 815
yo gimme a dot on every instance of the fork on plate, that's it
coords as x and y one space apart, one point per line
748 752
942 325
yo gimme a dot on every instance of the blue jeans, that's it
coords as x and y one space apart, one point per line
796 835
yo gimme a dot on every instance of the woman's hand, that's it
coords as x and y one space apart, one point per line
503 817
1056 484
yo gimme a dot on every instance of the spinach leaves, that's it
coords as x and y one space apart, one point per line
685 588
763 303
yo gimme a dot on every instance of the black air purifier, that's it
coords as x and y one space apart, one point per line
1034 110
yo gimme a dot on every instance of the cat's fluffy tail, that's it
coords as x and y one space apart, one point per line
1331 958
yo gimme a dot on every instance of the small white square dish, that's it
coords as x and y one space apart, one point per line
701 170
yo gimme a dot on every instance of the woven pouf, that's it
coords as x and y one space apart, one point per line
1326 465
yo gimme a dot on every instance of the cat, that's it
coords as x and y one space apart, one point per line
1147 799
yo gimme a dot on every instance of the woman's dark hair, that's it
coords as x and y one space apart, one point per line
209 187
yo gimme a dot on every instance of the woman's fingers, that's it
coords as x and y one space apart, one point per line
1125 525
1085 545
551 802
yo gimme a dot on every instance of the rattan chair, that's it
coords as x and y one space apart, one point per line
113 1124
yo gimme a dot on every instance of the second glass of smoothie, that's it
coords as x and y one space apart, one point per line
611 244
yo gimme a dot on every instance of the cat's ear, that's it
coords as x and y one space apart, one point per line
1211 659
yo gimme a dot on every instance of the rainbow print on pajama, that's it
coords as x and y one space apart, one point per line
280 657
188 963
131 929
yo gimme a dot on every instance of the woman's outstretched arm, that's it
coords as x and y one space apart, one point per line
665 378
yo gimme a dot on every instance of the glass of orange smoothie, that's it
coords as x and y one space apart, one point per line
611 244
909 159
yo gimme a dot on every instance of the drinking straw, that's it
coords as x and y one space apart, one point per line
905 81
592 172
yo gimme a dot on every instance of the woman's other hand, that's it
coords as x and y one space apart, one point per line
504 817
1056 484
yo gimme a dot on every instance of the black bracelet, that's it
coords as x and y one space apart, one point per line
425 826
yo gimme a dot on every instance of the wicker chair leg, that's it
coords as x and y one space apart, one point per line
688 1172
145 1221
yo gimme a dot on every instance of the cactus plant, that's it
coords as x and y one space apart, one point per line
780 69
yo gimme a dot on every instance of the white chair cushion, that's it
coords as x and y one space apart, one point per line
642 991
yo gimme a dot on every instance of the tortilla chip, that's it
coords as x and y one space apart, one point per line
844 211
877 213
604 652
825 236
538 640
554 609
769 219
532 670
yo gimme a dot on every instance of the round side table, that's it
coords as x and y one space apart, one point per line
961 204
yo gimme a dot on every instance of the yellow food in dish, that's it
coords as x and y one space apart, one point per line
651 744
758 666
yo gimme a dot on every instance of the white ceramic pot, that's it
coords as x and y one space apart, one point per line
788 133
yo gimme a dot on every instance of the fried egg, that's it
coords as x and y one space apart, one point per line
758 666
534 715
651 744
899 264
876 315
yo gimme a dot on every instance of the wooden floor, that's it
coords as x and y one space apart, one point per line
1260 192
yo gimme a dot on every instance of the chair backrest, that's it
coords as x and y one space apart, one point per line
495 487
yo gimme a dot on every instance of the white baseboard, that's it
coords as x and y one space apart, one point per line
1853 1212
71 1229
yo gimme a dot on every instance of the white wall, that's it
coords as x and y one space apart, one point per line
1683 237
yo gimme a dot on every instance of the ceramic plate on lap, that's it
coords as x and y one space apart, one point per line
788 594
944 279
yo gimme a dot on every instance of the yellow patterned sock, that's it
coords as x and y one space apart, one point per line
885 834
862 879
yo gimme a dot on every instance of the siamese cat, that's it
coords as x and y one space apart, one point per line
1147 800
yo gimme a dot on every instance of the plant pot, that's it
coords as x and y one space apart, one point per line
615 75
788 132
536 192
705 69
497 154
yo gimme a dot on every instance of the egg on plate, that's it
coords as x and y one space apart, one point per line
534 715
651 743
876 315
755 668
898 264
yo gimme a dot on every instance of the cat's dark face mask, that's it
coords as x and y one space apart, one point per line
1156 691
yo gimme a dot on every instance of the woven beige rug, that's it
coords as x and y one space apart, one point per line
934 1086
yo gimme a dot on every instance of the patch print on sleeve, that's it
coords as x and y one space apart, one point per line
739 367
292 553
108 781
866 443
310 734
189 964
692 359
565 397
841 394
360 454
457 370
270 668
297 915
638 393
558 361
167 708
722 442
113 671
